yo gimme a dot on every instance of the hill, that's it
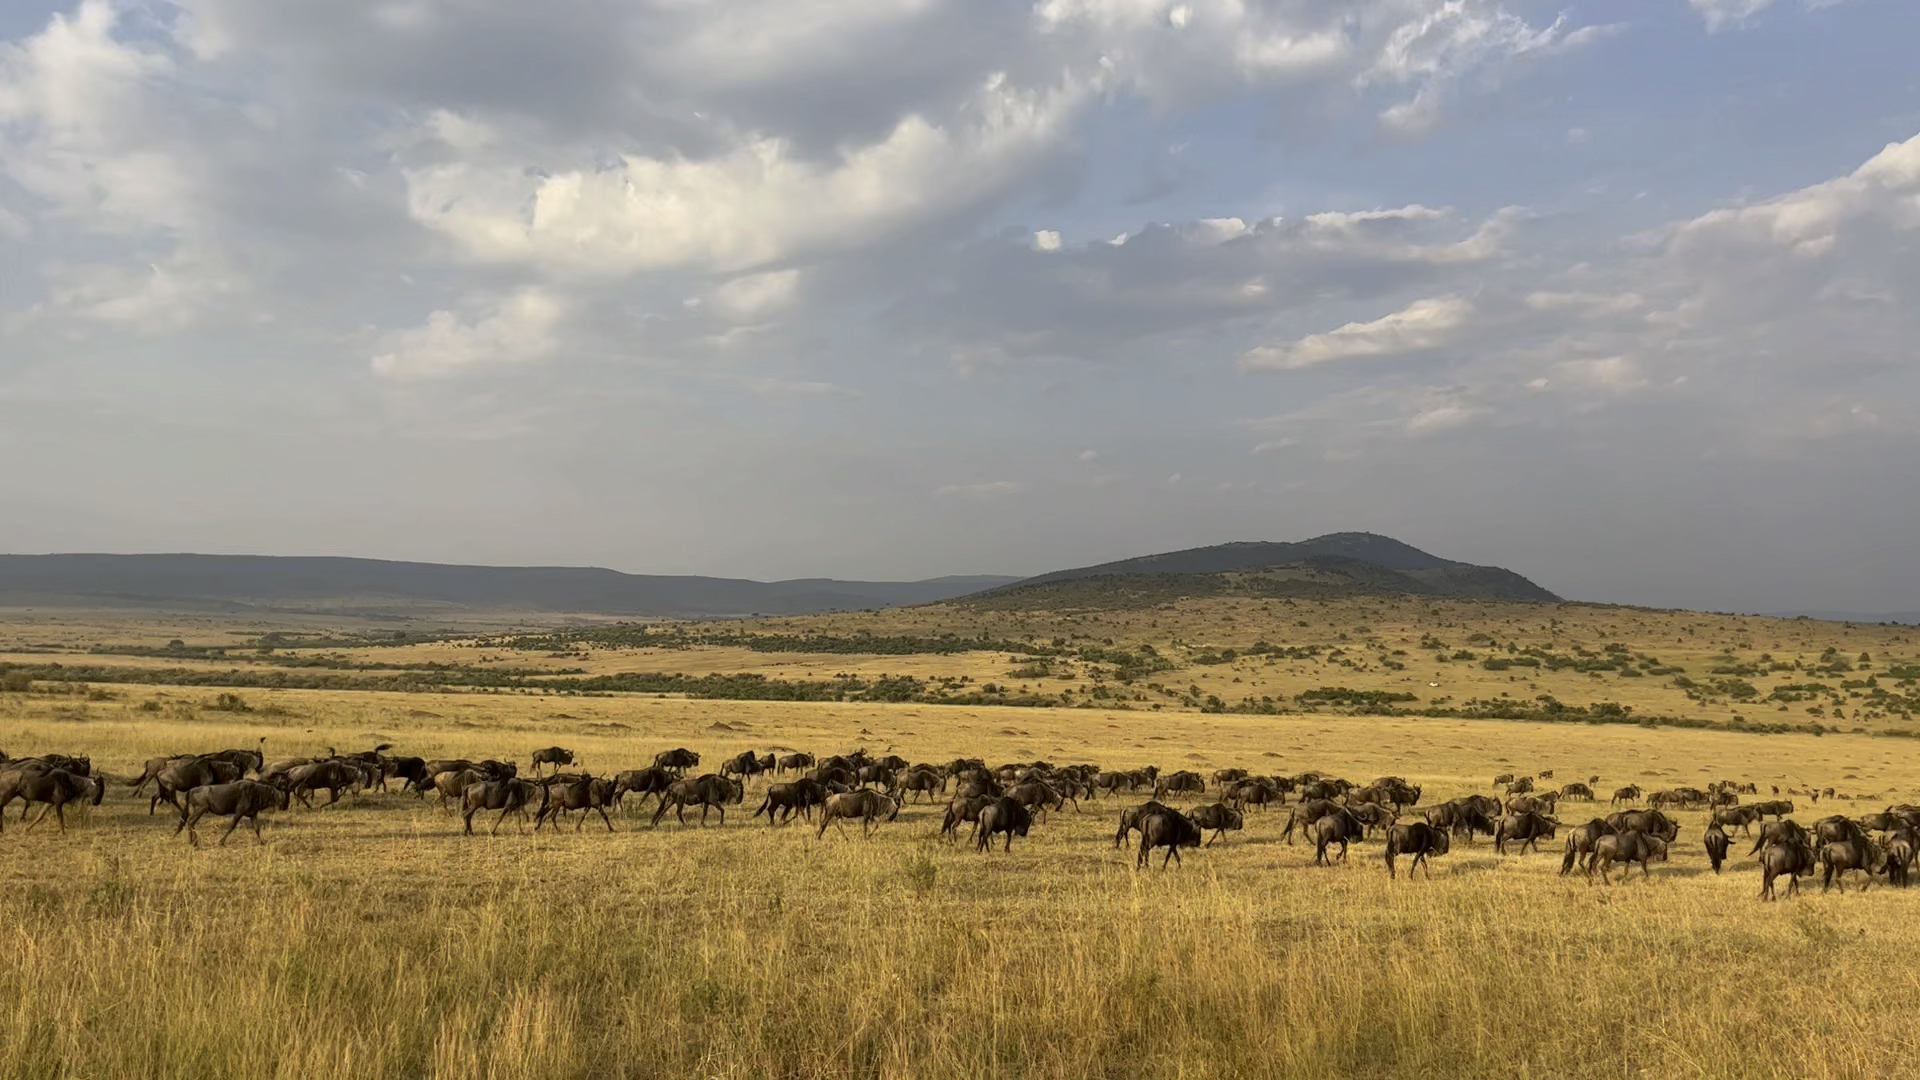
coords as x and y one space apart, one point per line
1338 564
363 586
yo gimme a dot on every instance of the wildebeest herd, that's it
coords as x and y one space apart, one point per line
1006 802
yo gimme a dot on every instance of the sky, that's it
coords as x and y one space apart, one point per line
1621 296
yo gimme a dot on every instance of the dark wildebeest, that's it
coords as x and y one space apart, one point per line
1250 793
1418 839
183 776
1901 845
453 785
1742 816
785 800
1780 832
676 761
1373 816
241 800
1794 859
1632 846
1503 778
962 810
1838 829
413 771
711 791
1528 828
331 775
1002 815
1340 827
54 787
1838 857
586 793
1580 841
1577 790
1228 776
1626 795
154 767
1520 786
1219 817
1306 813
1651 822
743 765
1169 829
1042 796
1715 841
1182 782
925 781
648 781
506 796
555 756
1130 819
865 804
795 762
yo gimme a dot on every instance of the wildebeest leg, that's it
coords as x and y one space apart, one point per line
234 824
1173 852
1646 873
1421 860
603 817
255 822
1826 881
468 819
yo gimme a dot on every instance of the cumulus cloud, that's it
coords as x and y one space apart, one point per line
1422 325
514 329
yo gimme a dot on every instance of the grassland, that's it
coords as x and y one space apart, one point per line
371 939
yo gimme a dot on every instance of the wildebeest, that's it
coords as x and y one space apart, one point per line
1169 829
794 762
795 797
1219 817
1780 832
1793 858
242 800
1041 795
711 791
555 756
1840 856
677 760
1580 841
1418 839
1715 841
1577 790
1742 816
1130 819
964 810
1002 815
185 775
1306 813
334 776
925 781
53 787
1340 827
1632 846
506 796
652 780
585 793
1626 795
1179 782
743 765
1651 822
1901 846
1528 828
865 804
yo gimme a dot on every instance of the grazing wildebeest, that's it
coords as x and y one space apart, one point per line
1840 856
334 776
677 760
711 791
795 762
54 787
1901 846
1715 841
1130 819
865 804
1169 829
1632 846
1340 827
798 796
585 793
1580 841
1219 817
1626 795
241 800
963 810
555 756
1794 859
1577 790
1418 839
506 796
925 781
1002 815
1528 828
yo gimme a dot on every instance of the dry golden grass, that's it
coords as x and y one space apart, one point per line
372 939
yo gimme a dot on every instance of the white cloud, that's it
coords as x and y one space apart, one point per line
514 329
752 297
1088 456
1422 325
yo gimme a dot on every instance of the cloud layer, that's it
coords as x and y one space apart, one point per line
786 287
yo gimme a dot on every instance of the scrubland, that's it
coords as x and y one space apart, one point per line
370 938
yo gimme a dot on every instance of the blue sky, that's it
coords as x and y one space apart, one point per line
1617 295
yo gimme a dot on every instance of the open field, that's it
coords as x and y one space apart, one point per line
372 939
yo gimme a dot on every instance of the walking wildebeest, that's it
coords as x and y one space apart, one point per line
1793 858
795 762
506 796
1169 829
1219 817
1626 795
677 760
1840 856
1340 827
586 793
1528 828
555 756
331 775
240 800
1418 839
1580 841
54 787
1715 841
1002 815
865 804
1130 819
711 791
1632 846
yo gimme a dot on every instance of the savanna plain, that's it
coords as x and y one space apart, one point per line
371 938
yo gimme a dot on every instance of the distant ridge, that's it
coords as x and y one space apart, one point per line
1335 564
369 586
